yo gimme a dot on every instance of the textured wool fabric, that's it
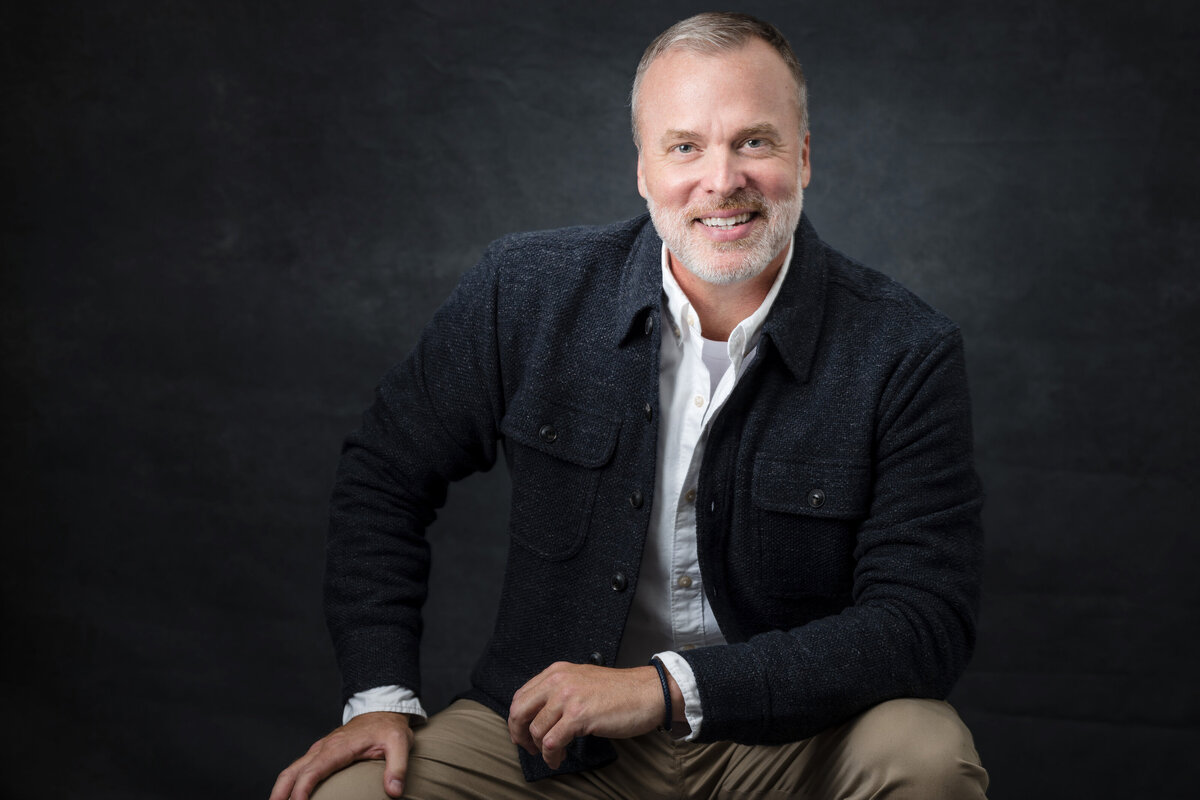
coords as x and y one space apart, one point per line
838 508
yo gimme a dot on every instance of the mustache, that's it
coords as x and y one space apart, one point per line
747 199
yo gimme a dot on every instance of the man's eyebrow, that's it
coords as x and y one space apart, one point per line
675 135
759 129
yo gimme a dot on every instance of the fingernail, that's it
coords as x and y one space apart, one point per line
395 785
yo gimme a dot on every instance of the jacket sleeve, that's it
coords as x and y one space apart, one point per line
435 419
910 629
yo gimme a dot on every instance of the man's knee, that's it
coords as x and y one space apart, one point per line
362 780
917 747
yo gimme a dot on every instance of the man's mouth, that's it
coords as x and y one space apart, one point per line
727 222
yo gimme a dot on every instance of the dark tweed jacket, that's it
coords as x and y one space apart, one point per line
838 523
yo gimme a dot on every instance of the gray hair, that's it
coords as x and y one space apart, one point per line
717 32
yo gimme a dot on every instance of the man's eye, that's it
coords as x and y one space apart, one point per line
685 149
756 143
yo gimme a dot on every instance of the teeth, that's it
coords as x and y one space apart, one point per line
726 222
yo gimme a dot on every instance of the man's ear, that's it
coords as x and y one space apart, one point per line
641 177
805 163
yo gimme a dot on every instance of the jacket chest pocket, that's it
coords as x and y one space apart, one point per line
557 452
806 514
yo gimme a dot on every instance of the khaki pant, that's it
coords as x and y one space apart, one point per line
917 749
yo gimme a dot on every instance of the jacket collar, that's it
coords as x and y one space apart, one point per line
640 292
793 325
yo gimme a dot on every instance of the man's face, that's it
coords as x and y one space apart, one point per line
722 164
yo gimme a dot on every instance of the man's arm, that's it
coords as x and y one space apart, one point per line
435 419
918 556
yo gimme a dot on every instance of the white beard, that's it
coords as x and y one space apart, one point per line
725 263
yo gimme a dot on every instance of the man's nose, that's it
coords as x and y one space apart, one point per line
723 174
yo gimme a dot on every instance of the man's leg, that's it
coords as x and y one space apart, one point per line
901 749
464 752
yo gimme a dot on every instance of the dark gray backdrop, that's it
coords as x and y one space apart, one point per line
222 223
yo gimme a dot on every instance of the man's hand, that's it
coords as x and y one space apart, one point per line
569 700
379 734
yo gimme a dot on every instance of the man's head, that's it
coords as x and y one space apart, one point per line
721 126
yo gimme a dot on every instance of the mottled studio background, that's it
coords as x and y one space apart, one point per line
223 221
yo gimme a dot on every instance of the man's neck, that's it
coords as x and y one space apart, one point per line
721 307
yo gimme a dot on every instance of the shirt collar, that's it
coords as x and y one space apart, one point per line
744 337
793 327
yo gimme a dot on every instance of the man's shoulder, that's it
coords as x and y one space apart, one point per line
575 242
856 288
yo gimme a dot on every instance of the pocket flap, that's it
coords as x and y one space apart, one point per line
815 488
560 430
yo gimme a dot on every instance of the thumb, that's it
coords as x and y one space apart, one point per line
395 753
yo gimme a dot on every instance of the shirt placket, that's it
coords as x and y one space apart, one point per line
687 591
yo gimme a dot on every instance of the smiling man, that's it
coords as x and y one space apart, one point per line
745 540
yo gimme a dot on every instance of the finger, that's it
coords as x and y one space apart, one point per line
518 732
543 723
319 767
395 750
283 784
519 715
554 744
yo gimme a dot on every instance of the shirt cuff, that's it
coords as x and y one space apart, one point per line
385 698
681 671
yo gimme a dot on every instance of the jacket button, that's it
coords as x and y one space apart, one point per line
548 433
597 659
649 324
635 499
648 411
816 498
619 581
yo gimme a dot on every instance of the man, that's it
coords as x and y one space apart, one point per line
744 509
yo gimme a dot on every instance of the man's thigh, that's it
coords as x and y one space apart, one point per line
900 749
464 753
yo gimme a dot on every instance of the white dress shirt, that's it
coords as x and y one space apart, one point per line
670 611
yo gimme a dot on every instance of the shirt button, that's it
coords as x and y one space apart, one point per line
597 659
619 581
699 401
548 433
685 582
691 319
816 498
635 499
690 496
